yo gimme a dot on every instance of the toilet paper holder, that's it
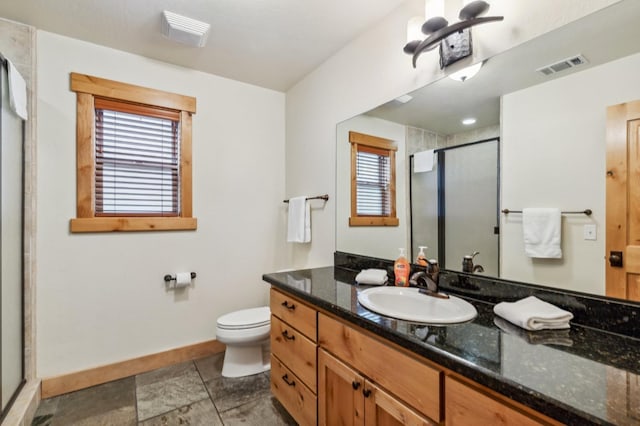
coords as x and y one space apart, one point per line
168 277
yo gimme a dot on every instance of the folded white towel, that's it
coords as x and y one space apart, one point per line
299 225
542 232
423 161
372 276
532 313
17 91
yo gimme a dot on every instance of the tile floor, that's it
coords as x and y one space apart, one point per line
191 393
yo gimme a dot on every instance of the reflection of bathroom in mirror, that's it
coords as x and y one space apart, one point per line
552 151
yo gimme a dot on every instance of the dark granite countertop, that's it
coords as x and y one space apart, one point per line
579 376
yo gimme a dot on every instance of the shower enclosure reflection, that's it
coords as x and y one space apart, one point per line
464 179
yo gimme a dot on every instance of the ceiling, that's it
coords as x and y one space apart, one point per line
606 35
268 43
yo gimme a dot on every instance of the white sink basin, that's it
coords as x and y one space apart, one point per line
408 304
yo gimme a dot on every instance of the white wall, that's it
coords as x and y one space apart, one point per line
554 155
378 241
372 70
101 297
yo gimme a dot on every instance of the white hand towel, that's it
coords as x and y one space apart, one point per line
372 276
542 232
299 224
532 313
423 161
17 92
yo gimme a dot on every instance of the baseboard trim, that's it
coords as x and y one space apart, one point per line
54 386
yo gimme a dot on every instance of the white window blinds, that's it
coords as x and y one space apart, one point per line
137 160
373 182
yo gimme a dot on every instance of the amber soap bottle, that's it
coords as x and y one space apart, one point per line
401 270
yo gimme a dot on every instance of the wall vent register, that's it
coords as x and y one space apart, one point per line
562 65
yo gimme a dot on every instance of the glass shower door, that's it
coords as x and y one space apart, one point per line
11 249
471 205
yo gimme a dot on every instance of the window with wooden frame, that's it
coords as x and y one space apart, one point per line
373 181
133 149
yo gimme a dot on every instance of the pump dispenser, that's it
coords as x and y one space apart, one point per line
421 259
401 270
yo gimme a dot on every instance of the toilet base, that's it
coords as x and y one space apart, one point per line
242 361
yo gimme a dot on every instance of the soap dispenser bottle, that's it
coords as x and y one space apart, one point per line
401 270
421 259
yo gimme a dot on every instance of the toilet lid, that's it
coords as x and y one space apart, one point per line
245 318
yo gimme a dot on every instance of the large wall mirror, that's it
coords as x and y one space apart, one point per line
552 152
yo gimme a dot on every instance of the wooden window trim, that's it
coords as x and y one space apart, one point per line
376 143
87 89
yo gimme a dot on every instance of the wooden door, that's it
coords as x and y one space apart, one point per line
623 201
382 409
340 397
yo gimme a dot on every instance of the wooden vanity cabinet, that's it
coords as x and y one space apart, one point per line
326 371
346 397
405 378
293 356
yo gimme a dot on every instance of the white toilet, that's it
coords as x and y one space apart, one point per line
246 334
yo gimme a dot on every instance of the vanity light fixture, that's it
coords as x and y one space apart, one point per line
466 73
469 121
456 37
184 30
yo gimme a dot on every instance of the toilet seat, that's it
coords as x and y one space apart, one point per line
245 319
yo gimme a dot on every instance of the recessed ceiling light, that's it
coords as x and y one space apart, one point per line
469 121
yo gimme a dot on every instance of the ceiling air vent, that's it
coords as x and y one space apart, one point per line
562 65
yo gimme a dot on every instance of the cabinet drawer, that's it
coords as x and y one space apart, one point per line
296 351
296 313
465 405
415 383
299 401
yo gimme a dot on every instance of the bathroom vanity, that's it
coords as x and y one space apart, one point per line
335 362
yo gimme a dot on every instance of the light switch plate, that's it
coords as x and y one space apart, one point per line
590 232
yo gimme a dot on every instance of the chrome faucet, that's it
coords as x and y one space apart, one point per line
468 266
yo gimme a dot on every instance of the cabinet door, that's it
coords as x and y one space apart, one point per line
382 409
340 398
